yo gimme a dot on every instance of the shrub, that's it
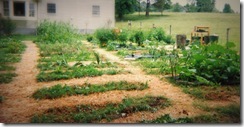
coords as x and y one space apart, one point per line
213 63
138 37
105 35
89 38
7 26
123 36
52 32
159 35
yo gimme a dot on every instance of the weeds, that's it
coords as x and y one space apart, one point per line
58 91
52 32
10 50
167 119
93 114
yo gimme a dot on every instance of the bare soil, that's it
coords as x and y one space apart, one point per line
19 106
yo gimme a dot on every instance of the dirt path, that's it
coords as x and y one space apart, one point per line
19 106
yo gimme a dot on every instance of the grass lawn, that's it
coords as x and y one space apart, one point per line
183 23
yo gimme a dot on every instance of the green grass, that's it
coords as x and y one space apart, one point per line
59 90
11 49
94 114
183 23
7 77
167 119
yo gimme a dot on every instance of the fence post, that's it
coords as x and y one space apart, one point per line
227 37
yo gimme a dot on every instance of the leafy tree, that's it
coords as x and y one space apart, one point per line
123 7
227 9
161 5
177 7
191 7
205 5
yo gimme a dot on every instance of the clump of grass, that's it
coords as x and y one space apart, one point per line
59 90
93 114
74 72
10 50
6 77
167 119
1 99
232 112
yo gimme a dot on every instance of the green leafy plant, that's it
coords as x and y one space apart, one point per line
97 56
211 64
105 35
89 38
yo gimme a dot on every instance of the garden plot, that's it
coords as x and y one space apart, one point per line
77 81
73 60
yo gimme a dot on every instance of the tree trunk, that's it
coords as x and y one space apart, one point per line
148 8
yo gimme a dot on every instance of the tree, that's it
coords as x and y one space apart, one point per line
227 9
161 5
191 7
148 7
123 7
205 5
177 7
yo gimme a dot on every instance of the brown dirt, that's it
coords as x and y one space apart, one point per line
19 106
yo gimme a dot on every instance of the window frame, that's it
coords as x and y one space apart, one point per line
96 9
51 8
6 10
24 11
31 9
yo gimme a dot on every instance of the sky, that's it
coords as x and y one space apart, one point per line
235 4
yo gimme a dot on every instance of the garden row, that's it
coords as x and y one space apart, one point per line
63 56
209 64
11 50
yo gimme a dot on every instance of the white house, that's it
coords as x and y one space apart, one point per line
86 15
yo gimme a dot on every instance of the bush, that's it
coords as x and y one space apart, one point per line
212 63
159 35
123 36
105 35
137 37
52 32
7 26
89 38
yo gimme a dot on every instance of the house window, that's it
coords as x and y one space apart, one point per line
95 10
32 10
51 8
6 8
19 8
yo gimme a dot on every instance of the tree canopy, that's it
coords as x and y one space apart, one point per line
123 7
227 9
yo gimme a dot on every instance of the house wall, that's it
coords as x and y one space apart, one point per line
76 12
79 13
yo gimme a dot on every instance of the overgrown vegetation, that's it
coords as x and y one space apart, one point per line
7 26
210 64
10 50
59 90
94 114
52 32
120 38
